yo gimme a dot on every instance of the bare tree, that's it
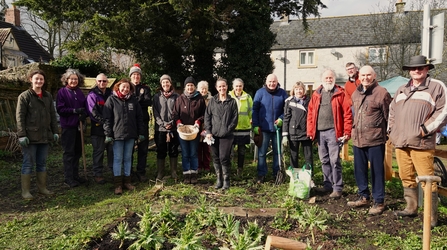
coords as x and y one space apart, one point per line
50 35
398 37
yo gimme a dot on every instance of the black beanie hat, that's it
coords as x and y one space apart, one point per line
189 79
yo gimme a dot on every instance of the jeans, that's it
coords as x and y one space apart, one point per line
34 154
375 155
190 161
262 153
99 146
122 155
71 143
329 154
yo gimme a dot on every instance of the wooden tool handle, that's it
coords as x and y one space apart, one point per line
284 243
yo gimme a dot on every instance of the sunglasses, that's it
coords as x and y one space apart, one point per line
102 80
420 68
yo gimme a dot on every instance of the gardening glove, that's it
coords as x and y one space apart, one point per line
285 141
79 110
56 137
108 140
180 125
24 141
141 138
196 125
256 130
278 122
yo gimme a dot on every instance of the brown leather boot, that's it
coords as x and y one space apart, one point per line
411 197
118 181
127 183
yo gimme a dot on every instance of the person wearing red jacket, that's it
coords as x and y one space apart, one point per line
329 122
353 80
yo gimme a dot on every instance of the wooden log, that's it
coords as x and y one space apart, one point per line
283 243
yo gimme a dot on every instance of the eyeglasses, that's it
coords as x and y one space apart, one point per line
102 80
420 68
352 68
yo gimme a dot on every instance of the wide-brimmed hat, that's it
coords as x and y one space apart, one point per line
418 61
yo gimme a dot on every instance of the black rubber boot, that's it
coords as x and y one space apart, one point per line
226 177
219 180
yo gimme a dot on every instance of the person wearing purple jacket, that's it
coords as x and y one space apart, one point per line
70 105
96 100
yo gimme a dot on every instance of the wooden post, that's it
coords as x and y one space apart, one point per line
388 160
345 152
283 243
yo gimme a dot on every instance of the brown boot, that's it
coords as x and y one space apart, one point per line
434 209
360 202
160 168
118 181
194 177
127 183
187 178
42 183
411 197
377 209
173 163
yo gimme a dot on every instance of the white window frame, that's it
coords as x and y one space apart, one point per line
377 55
306 62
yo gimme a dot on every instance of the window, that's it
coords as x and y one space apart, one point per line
377 55
307 58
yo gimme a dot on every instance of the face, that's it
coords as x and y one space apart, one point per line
166 85
135 78
190 88
271 82
203 90
328 80
351 70
72 81
37 81
367 76
124 88
238 88
299 92
221 87
101 81
419 73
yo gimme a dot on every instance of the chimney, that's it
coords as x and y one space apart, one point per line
12 16
400 6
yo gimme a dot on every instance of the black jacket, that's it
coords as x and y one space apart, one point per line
144 97
221 116
295 119
124 119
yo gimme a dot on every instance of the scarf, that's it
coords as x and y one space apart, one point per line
271 91
167 94
193 94
121 96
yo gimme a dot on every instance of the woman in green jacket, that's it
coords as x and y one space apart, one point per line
36 128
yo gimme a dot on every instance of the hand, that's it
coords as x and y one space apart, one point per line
24 141
196 125
256 130
56 137
79 110
278 122
82 117
209 136
285 141
141 138
108 140
347 137
168 126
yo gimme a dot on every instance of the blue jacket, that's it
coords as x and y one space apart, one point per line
268 107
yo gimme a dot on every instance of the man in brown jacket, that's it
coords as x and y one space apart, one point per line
371 107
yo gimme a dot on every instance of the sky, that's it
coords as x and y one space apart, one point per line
353 7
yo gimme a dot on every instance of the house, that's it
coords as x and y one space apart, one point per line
332 42
17 45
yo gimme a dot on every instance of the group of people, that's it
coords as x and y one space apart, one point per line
332 115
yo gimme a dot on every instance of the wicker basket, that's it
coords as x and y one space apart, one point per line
188 132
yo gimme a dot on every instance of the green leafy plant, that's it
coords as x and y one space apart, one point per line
122 233
313 218
148 239
189 239
281 221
